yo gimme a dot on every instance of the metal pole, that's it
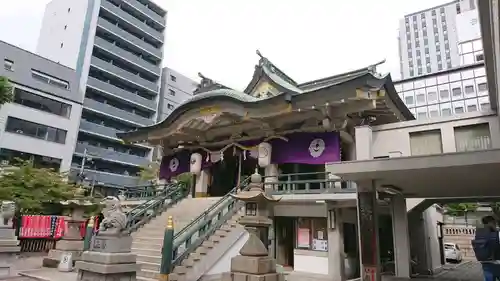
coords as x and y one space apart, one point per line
167 250
82 165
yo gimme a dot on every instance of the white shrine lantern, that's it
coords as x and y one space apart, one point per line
195 163
264 154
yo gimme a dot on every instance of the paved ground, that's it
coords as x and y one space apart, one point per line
467 271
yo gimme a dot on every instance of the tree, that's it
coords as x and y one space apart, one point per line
6 91
32 188
150 172
460 209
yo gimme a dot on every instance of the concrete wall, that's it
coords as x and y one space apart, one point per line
431 218
395 138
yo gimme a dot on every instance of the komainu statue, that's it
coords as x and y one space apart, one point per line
7 211
115 220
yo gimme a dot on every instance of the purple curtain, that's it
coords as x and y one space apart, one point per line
175 164
307 148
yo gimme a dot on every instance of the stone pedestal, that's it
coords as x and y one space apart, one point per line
109 259
71 242
253 263
8 250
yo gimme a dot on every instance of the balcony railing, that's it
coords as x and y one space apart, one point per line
309 183
109 154
107 178
116 112
151 32
128 56
124 75
106 25
98 129
146 11
118 92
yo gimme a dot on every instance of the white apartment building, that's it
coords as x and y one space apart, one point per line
428 39
41 124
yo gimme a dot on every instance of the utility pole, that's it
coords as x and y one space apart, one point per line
82 176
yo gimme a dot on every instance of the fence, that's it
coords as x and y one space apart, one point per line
40 233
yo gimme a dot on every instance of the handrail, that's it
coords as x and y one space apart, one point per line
140 215
203 224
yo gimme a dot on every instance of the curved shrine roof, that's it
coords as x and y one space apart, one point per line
210 91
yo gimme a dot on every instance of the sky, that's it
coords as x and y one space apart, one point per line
307 40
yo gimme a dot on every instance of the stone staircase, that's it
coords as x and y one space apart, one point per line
148 240
198 262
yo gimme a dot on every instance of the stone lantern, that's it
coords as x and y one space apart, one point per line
253 262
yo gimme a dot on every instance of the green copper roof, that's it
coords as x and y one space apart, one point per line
222 92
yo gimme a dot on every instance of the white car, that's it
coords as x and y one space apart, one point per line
452 253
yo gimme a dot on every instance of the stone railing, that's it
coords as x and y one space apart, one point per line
459 231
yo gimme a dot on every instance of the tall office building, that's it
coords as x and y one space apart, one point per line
459 87
116 48
41 124
428 39
175 89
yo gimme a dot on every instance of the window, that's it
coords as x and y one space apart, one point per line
170 106
485 106
173 78
420 98
49 79
421 115
479 57
444 94
446 111
471 108
27 128
459 110
171 92
432 96
472 137
8 64
482 87
433 113
456 92
409 100
426 142
312 234
469 89
35 101
39 161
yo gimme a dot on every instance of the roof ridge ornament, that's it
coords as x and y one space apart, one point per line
206 84
265 62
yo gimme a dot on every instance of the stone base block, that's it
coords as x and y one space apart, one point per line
253 265
107 268
111 244
84 275
8 243
108 258
6 260
7 234
54 257
69 245
236 276
9 249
